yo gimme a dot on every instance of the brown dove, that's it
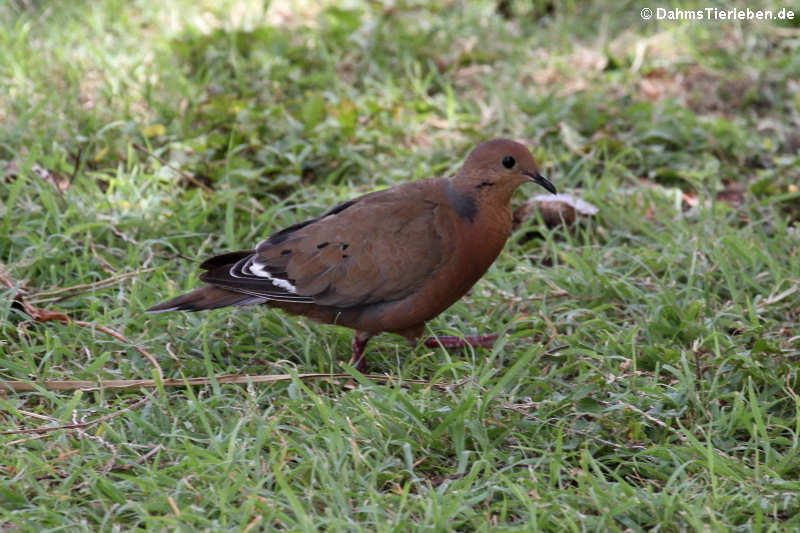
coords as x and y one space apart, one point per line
387 261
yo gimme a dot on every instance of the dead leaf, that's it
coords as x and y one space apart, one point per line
58 180
154 130
732 194
53 177
555 209
658 84
584 59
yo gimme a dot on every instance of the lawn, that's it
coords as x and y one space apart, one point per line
647 377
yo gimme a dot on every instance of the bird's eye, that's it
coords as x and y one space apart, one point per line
509 162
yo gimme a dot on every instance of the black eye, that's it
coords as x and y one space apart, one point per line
509 162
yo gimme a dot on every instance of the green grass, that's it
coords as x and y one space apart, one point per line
672 405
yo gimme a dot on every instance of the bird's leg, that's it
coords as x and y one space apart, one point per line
357 360
451 341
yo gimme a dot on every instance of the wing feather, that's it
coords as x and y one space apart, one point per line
379 247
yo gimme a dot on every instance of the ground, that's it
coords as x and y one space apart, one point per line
648 373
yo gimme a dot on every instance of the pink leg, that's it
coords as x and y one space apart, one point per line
450 341
357 360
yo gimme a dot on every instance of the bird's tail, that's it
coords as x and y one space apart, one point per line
207 297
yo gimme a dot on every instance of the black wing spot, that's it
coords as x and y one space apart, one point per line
323 245
285 252
344 246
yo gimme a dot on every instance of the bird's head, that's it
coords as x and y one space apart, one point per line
498 167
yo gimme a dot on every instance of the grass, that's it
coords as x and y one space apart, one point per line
672 405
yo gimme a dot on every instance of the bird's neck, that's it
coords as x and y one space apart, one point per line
484 218
484 206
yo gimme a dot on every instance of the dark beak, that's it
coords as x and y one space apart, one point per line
541 180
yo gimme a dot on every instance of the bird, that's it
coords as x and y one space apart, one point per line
387 261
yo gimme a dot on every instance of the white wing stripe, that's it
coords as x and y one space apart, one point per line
258 269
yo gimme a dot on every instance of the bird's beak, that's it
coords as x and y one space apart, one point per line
541 180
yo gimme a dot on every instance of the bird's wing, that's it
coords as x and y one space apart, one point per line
380 247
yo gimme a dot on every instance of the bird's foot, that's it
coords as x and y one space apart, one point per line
451 341
357 360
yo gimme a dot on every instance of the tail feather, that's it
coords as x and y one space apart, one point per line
207 297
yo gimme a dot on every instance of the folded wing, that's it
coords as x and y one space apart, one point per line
371 249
